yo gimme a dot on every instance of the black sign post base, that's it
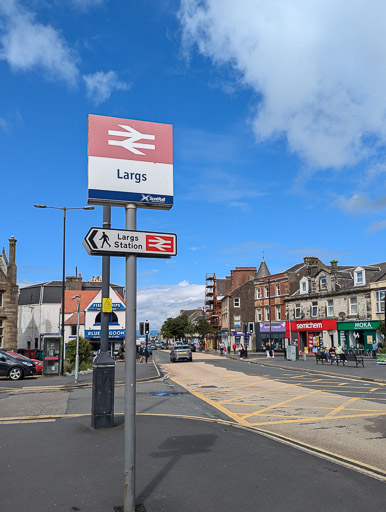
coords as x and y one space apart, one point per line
103 380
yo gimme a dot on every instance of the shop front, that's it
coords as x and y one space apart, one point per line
357 336
274 331
311 335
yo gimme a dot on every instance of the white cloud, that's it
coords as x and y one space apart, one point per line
360 204
28 45
86 4
157 303
378 226
317 68
100 85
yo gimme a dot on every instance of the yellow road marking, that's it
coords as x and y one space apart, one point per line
341 407
319 418
255 413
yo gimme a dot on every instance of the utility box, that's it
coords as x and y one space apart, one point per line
291 352
51 355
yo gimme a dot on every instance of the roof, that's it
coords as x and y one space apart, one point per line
71 305
263 270
73 320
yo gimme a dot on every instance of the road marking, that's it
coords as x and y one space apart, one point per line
341 407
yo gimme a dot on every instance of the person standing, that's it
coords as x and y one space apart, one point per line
234 348
272 347
141 353
222 345
268 348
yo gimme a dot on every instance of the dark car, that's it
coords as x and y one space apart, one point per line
38 364
15 368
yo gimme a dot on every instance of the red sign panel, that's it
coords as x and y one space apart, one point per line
160 243
127 139
313 325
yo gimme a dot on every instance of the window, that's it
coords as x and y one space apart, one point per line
323 283
353 306
314 309
278 312
258 315
258 293
266 291
73 330
236 302
113 318
297 310
1 299
304 285
236 319
1 332
330 308
266 313
380 301
359 277
278 289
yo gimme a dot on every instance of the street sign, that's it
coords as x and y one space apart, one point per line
121 242
130 162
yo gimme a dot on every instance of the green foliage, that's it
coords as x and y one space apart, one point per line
382 329
85 350
203 328
177 328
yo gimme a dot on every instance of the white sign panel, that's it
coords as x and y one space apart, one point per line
130 162
120 242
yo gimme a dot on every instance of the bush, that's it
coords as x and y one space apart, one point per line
85 351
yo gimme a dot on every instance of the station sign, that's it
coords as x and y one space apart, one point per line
121 242
130 161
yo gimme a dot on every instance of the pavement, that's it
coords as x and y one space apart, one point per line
182 464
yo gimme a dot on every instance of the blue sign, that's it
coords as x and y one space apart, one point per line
97 306
113 334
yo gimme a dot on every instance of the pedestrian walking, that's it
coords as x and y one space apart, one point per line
272 349
234 348
241 352
229 350
146 354
141 353
374 348
268 349
222 345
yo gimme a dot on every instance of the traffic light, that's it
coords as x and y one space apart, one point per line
141 328
147 328
245 328
250 327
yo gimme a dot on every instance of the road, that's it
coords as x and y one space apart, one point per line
212 435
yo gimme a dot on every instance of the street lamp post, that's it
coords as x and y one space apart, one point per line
77 341
64 210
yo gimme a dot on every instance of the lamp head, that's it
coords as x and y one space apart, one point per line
40 206
76 296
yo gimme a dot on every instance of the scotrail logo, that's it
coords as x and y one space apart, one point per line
152 199
132 137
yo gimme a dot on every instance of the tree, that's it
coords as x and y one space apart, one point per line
203 328
176 328
85 350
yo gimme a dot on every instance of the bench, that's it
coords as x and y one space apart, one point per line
324 358
346 358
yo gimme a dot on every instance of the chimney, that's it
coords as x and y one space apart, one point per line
11 267
334 265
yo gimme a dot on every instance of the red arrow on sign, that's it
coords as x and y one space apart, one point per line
160 243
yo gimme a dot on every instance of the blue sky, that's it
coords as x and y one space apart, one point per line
278 111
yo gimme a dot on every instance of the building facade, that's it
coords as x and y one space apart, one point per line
8 298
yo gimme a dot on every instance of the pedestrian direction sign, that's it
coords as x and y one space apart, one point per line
121 242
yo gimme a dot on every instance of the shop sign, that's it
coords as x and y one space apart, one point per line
274 327
364 325
113 334
313 325
97 306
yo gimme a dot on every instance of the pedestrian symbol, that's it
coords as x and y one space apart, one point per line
105 239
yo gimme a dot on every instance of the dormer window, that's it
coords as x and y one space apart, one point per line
323 283
359 277
304 285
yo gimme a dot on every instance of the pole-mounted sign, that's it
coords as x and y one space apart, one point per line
130 162
121 242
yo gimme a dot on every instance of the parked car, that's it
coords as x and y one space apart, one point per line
15 368
38 364
180 353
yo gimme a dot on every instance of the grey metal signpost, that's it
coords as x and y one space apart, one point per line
124 169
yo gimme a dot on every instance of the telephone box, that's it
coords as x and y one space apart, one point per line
51 357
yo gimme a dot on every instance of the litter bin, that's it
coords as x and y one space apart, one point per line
304 356
291 352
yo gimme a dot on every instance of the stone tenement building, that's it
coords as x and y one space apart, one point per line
9 292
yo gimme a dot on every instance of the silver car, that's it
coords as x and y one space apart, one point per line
180 353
